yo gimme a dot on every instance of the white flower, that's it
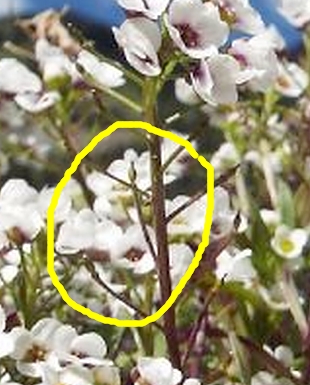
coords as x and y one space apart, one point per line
179 165
16 78
289 243
157 371
106 375
64 204
223 215
9 265
20 219
6 343
78 375
99 184
32 348
50 342
132 251
90 294
292 80
189 221
192 220
26 86
72 375
242 15
53 62
296 12
264 378
85 349
180 257
105 74
121 169
271 218
17 192
185 93
277 127
140 39
274 38
216 78
225 158
36 103
196 27
85 232
285 355
150 8
235 267
258 60
192 381
273 297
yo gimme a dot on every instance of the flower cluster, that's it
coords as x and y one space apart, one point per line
199 33
131 219
55 353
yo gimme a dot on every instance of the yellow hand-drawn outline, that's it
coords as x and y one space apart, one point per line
198 255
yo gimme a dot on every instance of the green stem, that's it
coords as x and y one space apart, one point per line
122 99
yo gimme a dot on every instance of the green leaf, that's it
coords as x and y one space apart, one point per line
301 203
286 204
263 258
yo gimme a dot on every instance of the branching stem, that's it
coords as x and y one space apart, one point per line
159 213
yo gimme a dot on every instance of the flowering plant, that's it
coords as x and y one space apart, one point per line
128 224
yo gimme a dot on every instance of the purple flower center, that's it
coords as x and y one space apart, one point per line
188 35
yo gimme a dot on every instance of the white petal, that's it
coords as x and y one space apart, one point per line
185 93
108 375
2 319
7 275
17 78
36 103
17 191
157 371
196 27
63 338
44 329
90 344
105 74
22 340
75 375
150 8
140 38
6 345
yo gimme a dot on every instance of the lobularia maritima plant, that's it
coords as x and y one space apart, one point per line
129 223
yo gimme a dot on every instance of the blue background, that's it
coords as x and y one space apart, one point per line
107 12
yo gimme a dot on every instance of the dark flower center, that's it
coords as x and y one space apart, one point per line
188 35
35 354
134 254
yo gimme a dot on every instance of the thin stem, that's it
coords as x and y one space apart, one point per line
306 352
200 194
90 267
118 97
271 363
193 336
72 150
79 173
176 153
18 51
124 183
138 204
158 205
185 205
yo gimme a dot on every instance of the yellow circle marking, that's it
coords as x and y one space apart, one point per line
198 255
